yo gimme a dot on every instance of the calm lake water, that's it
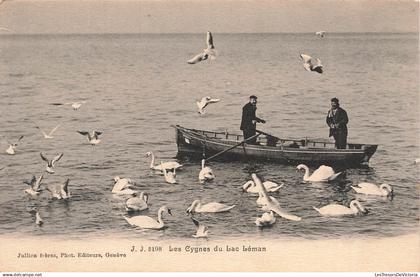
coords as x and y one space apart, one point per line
136 86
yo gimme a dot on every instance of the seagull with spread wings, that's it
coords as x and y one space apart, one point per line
209 52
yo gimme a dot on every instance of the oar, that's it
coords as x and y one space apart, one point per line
267 134
230 148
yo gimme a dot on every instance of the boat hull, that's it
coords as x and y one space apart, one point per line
195 143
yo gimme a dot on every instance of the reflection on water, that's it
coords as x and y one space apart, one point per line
136 89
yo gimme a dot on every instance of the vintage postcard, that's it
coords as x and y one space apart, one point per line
209 135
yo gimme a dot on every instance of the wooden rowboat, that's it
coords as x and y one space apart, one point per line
193 142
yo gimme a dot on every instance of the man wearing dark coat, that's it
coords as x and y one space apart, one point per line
250 120
337 121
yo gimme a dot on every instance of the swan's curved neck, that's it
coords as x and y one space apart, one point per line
306 176
203 163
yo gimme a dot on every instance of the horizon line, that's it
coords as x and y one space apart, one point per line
199 33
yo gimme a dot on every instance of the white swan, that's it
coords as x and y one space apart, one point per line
121 184
250 187
212 207
262 200
137 203
166 165
169 175
309 65
60 191
35 186
204 102
202 231
338 210
206 173
270 203
49 135
92 138
147 222
12 146
320 33
267 219
322 174
51 164
210 51
372 189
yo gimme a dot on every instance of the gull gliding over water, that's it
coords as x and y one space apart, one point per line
210 51
49 135
92 138
310 65
60 191
50 164
35 186
74 105
204 102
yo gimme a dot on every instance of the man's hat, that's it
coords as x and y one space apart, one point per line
253 96
334 100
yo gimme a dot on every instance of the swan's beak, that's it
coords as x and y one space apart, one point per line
188 210
169 211
366 211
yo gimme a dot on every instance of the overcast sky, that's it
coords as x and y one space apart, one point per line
197 16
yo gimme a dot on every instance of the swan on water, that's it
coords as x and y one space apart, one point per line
169 175
372 189
267 219
204 102
212 207
92 138
250 187
123 186
147 222
206 173
12 146
35 186
338 210
320 33
202 231
270 203
322 174
137 203
51 164
309 64
209 52
167 165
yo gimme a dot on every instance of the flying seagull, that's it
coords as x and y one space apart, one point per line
204 102
50 164
35 186
92 138
49 135
209 52
309 64
74 105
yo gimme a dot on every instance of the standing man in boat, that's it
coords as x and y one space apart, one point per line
250 120
337 121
